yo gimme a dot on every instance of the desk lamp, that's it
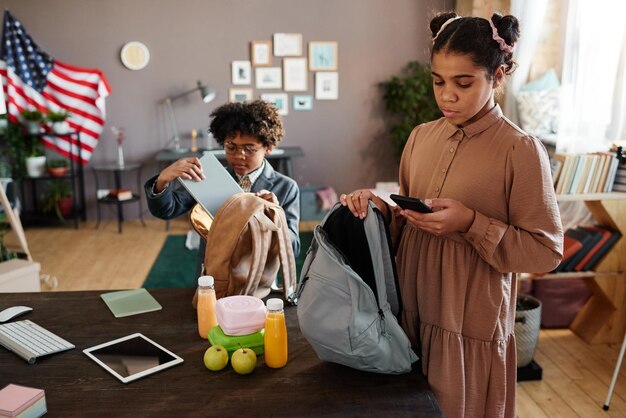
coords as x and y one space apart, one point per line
207 94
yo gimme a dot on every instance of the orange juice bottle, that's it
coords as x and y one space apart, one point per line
275 334
206 306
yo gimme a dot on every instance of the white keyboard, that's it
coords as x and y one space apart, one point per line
30 341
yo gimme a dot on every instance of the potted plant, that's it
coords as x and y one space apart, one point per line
59 199
58 167
5 253
57 120
410 100
34 157
32 119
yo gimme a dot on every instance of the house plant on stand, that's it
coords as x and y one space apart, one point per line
58 199
57 120
32 121
58 167
35 158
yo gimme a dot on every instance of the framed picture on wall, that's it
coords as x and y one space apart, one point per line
261 53
287 44
239 95
302 102
323 56
268 77
241 73
326 86
294 74
280 100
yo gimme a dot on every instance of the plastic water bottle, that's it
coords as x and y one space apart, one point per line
206 306
275 335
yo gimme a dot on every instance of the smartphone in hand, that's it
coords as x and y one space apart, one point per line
411 203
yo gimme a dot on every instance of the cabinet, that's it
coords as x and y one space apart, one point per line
118 172
603 318
33 188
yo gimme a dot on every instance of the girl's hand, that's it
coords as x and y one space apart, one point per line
187 168
449 216
267 195
357 202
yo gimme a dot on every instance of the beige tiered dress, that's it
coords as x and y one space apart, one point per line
458 290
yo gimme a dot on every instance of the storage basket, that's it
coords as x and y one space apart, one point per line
527 326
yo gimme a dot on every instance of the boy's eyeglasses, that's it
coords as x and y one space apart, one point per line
248 150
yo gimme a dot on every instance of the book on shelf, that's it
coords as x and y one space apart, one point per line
592 238
605 236
571 245
120 194
602 251
585 173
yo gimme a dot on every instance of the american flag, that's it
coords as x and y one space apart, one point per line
33 79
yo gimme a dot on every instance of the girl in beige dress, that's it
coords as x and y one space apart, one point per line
495 213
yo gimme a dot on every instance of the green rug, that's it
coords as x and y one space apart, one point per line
176 265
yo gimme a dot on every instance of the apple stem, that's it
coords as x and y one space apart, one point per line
243 350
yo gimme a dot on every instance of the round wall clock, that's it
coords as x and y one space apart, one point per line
135 55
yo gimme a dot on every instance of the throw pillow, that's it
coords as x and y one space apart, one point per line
539 111
548 80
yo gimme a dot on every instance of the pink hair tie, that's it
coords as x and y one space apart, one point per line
503 45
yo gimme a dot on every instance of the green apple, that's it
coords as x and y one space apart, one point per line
243 360
215 358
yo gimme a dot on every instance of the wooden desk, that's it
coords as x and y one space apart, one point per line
76 386
279 158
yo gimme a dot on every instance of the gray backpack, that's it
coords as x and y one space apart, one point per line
348 296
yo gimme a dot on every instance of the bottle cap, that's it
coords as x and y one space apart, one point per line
275 304
206 281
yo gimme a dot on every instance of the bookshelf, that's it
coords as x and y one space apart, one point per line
603 318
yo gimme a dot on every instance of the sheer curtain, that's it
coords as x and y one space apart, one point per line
593 90
531 15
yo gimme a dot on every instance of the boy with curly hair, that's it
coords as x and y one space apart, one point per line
248 132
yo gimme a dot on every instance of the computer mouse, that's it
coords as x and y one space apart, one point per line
12 312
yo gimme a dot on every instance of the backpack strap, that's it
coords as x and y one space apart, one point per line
285 255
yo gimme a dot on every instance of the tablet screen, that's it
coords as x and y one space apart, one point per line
132 357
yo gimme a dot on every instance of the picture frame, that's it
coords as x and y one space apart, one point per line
281 100
241 73
238 95
327 85
323 56
287 44
261 53
295 75
268 77
302 102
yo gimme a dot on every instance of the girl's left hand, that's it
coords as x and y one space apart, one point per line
267 195
449 216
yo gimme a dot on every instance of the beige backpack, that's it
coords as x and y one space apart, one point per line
246 243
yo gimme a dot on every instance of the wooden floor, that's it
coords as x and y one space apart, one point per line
576 375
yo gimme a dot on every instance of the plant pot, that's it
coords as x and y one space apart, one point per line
33 128
60 128
65 205
58 171
527 326
36 166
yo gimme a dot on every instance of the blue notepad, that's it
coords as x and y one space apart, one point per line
215 189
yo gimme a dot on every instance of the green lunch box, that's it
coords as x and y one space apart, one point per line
231 342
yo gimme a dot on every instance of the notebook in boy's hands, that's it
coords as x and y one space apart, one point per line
215 189
130 302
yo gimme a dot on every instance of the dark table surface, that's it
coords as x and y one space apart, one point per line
306 386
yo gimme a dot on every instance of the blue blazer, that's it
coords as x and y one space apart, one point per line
176 201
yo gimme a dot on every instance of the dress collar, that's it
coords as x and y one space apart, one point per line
474 128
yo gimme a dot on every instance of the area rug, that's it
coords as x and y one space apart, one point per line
176 265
